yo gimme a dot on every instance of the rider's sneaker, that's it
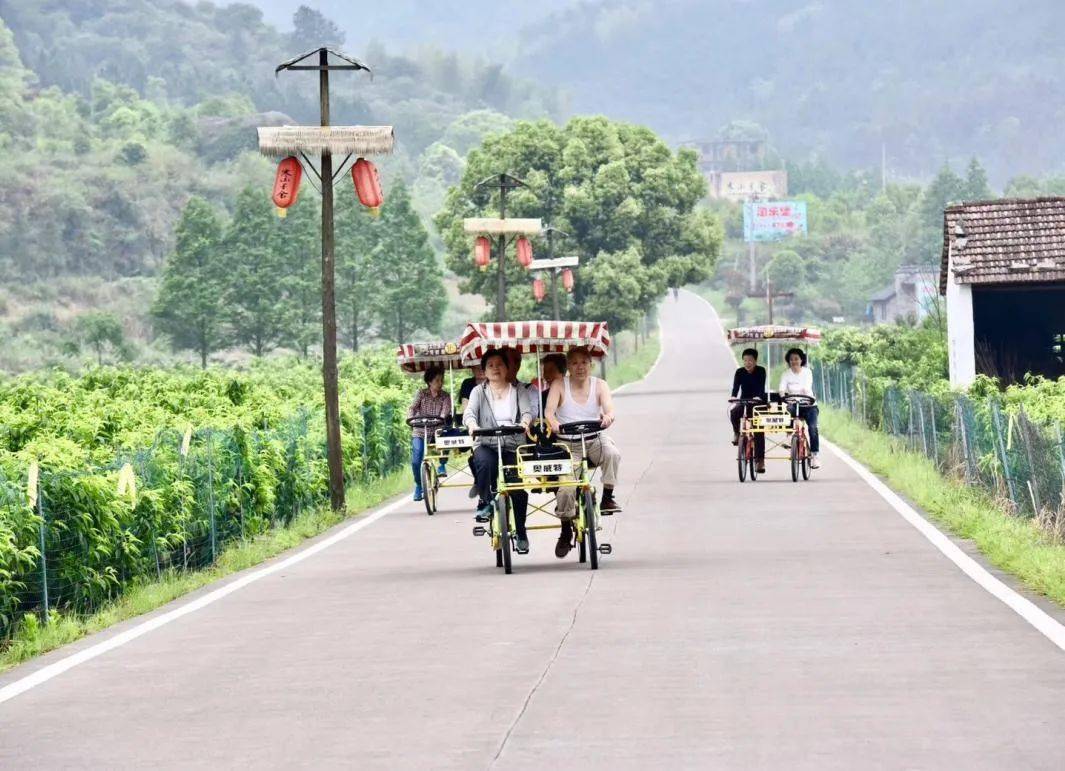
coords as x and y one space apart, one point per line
418 493
521 544
441 470
815 461
565 540
608 505
484 513
760 468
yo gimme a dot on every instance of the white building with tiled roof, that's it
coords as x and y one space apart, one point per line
1003 275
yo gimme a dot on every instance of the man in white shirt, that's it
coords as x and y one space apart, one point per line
798 380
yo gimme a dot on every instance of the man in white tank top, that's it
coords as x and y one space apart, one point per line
580 397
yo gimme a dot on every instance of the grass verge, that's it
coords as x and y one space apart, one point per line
1017 546
34 638
636 365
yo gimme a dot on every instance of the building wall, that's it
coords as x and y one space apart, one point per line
961 349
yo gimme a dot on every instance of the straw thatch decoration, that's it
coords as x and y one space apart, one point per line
282 141
488 226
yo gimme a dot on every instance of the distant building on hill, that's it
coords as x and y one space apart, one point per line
1003 274
911 295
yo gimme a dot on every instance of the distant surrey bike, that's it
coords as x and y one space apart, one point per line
786 437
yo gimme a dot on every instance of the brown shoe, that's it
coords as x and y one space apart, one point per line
565 540
760 468
735 439
608 505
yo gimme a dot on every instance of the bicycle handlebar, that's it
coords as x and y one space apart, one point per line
425 422
498 431
580 428
800 399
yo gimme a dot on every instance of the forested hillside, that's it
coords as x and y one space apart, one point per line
114 114
930 79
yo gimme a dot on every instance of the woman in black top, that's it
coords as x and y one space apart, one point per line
749 383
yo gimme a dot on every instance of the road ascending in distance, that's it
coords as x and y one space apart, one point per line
768 625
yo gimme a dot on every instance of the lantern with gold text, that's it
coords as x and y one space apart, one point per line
367 185
287 184
567 279
525 252
482 252
538 290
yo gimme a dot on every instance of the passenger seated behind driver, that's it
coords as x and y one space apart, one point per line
798 380
576 398
430 402
497 402
749 383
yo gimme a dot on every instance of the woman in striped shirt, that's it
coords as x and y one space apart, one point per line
430 402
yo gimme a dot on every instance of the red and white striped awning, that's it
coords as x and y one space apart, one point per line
773 333
418 357
538 337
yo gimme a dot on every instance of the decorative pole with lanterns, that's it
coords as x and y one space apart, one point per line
296 145
556 267
501 228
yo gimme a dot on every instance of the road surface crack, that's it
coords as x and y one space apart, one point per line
543 675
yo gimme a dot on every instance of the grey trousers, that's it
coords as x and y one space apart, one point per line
602 453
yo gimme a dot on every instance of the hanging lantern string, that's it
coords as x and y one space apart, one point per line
340 169
311 177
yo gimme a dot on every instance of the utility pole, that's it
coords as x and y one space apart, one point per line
503 183
326 141
554 273
500 229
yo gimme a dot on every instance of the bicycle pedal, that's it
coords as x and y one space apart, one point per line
610 513
605 548
479 531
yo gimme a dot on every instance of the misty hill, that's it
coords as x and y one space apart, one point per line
931 79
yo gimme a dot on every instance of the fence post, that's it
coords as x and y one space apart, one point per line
924 429
966 450
1002 452
44 560
1025 426
210 492
935 432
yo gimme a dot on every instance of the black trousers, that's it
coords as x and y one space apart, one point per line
809 414
736 413
485 463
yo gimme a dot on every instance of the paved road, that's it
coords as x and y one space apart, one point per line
768 626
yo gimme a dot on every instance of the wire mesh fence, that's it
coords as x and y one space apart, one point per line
77 539
1019 461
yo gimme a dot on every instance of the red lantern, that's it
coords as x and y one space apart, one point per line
567 279
538 290
482 252
367 185
287 184
525 255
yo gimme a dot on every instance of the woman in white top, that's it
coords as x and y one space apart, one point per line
498 402
798 380
581 397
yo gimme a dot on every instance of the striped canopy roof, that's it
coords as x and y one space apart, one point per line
534 337
770 333
418 357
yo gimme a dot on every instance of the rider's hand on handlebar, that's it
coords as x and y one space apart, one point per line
607 419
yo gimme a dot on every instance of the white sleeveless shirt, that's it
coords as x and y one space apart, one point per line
572 411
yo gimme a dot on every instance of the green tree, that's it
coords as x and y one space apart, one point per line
411 296
188 308
616 287
255 302
612 186
358 281
946 188
976 185
101 332
299 245
311 29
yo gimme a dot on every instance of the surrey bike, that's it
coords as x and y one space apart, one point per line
446 444
775 421
542 466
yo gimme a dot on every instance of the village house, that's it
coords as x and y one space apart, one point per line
913 294
1003 276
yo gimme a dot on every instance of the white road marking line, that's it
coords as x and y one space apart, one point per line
1048 626
46 673
1023 607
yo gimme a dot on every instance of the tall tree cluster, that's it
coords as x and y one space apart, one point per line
626 200
255 281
